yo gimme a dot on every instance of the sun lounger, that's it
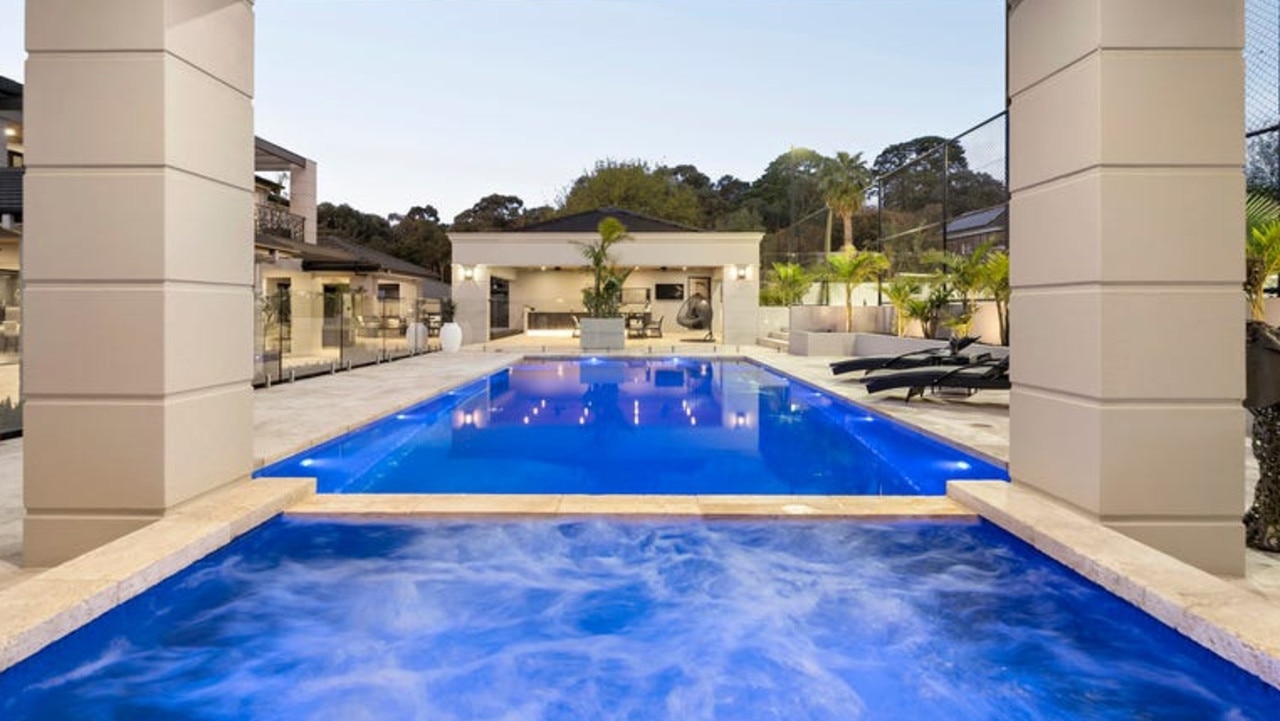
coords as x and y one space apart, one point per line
986 375
950 355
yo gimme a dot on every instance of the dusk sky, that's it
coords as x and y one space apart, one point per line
441 102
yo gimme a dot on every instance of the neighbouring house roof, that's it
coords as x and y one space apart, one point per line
305 251
588 221
365 260
269 156
978 222
10 94
11 191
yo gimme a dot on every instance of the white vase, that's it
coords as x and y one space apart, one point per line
450 337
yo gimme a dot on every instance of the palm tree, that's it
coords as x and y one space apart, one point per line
900 291
602 299
1261 250
928 310
963 274
995 280
843 181
852 267
788 283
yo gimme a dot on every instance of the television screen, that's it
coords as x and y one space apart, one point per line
669 291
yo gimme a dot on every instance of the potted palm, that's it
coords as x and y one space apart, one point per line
1262 369
901 291
787 285
850 268
603 329
450 332
963 274
995 280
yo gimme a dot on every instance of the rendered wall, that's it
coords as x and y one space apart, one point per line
1126 148
139 353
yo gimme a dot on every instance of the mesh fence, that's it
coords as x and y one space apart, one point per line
940 194
1262 96
949 194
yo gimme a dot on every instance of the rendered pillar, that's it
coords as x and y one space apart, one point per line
302 198
472 299
1127 222
741 306
137 263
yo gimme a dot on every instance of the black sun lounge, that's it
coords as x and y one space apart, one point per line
986 375
932 356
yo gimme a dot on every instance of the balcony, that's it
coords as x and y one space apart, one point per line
277 221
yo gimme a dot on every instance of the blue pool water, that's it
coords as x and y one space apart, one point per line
636 426
639 620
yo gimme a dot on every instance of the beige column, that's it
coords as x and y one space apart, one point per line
472 298
1126 148
741 304
137 263
302 197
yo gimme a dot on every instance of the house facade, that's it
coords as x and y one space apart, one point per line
322 302
531 281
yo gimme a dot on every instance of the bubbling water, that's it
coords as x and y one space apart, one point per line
637 620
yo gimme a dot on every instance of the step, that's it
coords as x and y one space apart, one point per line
774 343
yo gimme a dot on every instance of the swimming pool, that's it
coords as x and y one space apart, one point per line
561 619
668 426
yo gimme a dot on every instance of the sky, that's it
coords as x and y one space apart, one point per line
441 102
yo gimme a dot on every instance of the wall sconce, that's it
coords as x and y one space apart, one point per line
468 272
740 271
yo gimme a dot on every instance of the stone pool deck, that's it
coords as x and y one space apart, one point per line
1237 617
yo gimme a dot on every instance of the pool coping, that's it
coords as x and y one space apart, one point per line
52 604
706 506
1234 623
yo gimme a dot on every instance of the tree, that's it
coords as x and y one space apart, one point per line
605 295
787 284
900 291
968 190
742 219
995 280
537 215
928 310
1262 168
420 238
1261 250
911 173
632 185
843 181
352 224
492 212
788 189
850 268
964 275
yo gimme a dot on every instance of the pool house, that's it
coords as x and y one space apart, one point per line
530 281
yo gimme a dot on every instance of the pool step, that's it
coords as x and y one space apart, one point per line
778 340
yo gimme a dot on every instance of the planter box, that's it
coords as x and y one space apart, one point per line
603 334
808 343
